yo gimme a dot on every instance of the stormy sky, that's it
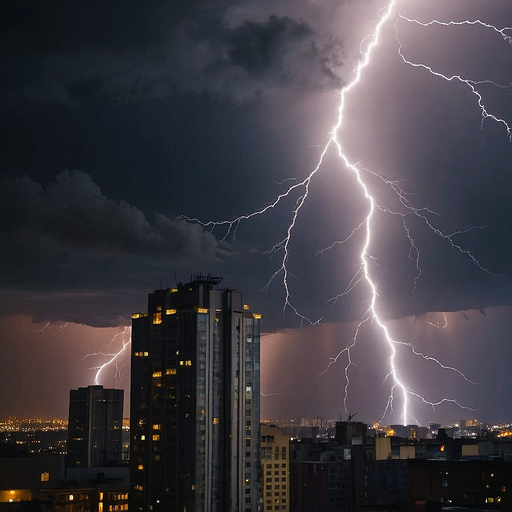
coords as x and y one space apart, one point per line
120 120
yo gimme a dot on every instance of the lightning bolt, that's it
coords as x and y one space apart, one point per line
470 83
44 329
364 274
112 358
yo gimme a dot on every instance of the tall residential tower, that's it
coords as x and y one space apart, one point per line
195 400
95 427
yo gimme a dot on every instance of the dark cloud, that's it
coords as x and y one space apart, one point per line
72 242
74 216
56 51
256 46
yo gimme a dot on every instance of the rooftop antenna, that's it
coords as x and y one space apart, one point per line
350 415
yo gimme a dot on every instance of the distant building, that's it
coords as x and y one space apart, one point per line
321 477
195 401
40 483
275 469
351 432
481 484
95 427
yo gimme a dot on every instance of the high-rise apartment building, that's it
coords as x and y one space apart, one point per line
275 448
195 399
95 427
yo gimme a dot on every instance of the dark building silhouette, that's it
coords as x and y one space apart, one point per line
195 391
321 477
95 427
482 484
41 483
351 432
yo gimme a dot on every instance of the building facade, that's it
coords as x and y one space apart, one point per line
95 427
195 402
275 453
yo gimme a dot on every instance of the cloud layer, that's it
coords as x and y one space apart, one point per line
69 239
129 51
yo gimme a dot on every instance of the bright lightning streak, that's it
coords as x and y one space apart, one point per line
44 329
364 273
112 357
468 82
437 325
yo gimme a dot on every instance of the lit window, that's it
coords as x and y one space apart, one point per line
170 311
170 371
157 318
143 437
45 477
71 497
215 421
156 437
156 426
157 374
140 467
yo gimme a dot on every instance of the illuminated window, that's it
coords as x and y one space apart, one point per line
156 437
140 467
142 437
215 421
188 362
157 374
156 426
100 506
170 371
45 477
71 497
157 318
170 311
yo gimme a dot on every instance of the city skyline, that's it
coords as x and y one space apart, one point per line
134 120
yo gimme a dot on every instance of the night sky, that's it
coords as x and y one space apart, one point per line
121 119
